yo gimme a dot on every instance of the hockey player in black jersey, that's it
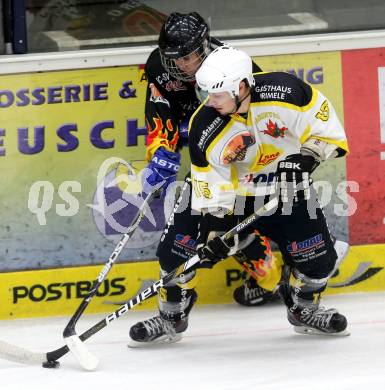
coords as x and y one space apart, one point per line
272 125
172 97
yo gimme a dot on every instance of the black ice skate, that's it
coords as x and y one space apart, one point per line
308 317
250 294
317 320
156 330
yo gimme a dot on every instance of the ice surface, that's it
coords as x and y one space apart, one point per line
226 347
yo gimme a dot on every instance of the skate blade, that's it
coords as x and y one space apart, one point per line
312 331
255 302
165 339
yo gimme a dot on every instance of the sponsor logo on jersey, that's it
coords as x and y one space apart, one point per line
186 240
236 147
175 85
272 92
272 88
208 131
170 85
266 159
260 178
267 154
273 129
310 243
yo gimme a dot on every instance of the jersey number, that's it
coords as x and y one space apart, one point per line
201 188
323 113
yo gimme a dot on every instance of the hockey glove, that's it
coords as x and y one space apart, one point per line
211 248
293 177
161 171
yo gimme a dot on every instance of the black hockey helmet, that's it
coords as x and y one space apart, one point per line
180 36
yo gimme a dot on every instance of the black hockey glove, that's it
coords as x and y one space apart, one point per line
293 177
211 248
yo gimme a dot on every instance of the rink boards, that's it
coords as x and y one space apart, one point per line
56 292
66 133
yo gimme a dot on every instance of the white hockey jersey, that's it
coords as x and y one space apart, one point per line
232 155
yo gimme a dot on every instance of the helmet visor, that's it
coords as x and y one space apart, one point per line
184 68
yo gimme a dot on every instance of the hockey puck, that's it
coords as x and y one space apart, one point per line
51 364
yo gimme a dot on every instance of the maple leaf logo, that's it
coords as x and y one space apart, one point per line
274 130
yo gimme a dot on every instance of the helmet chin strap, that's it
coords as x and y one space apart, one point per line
238 102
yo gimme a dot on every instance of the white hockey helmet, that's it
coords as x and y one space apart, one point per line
224 69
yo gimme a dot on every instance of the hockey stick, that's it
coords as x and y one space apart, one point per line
69 332
85 358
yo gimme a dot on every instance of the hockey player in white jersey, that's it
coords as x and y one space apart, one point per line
259 136
166 108
171 99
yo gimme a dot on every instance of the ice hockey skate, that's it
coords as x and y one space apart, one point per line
308 317
318 320
156 330
250 294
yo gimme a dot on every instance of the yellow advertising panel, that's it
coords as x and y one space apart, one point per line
59 292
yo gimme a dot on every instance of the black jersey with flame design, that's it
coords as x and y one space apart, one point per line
168 103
